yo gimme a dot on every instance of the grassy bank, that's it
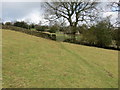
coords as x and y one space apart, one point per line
30 61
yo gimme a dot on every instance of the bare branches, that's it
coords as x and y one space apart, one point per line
72 11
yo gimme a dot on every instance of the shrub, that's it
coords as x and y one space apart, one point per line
34 32
103 34
99 34
116 37
21 24
53 29
70 40
32 25
8 23
40 28
89 36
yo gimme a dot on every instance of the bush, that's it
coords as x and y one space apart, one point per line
8 23
89 36
34 32
82 28
21 24
98 35
53 29
70 40
40 28
103 34
32 25
116 37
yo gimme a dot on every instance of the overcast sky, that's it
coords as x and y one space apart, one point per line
12 11
32 11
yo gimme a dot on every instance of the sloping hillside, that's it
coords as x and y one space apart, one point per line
30 61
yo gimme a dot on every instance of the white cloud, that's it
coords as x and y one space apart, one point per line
114 16
33 17
12 11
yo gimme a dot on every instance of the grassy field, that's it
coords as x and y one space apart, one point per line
61 36
0 59
34 62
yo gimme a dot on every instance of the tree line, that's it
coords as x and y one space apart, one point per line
102 34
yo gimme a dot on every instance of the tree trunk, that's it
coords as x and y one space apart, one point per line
74 37
73 28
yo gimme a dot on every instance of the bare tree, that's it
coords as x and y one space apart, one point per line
116 6
73 12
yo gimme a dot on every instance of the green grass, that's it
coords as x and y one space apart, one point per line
33 29
0 59
61 36
34 62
